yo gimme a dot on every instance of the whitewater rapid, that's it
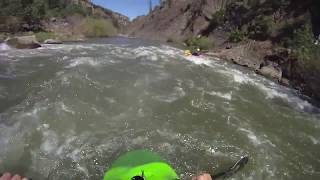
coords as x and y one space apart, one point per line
67 111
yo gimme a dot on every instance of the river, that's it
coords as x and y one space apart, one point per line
68 111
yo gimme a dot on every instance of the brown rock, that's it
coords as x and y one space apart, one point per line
23 42
285 82
271 72
52 41
179 19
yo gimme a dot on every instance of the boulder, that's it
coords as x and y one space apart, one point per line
245 61
23 42
52 41
271 72
285 82
53 19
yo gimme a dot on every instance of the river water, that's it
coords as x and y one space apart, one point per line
68 111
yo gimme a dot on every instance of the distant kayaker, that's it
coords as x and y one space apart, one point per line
197 52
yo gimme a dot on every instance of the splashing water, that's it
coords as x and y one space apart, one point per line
68 111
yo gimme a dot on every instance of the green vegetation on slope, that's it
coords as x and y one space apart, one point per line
92 27
306 51
28 15
237 35
34 10
42 36
199 42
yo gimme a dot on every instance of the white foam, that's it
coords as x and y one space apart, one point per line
4 47
121 52
167 51
167 147
252 137
199 60
34 113
95 110
66 146
83 61
50 143
65 108
313 140
83 169
110 100
177 94
272 91
147 53
227 96
43 127
139 140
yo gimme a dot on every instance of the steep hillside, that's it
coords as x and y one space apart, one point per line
176 19
58 16
184 18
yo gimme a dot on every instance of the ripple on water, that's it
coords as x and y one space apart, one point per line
227 96
177 93
83 61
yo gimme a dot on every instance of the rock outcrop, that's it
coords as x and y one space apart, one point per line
271 72
175 19
23 42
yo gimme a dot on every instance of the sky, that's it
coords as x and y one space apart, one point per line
130 8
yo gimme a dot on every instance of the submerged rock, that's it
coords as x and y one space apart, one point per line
52 41
23 42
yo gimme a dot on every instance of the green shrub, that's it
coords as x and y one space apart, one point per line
97 28
237 36
304 48
261 27
76 9
218 18
35 10
42 36
199 42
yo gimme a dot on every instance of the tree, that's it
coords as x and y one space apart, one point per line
53 4
261 27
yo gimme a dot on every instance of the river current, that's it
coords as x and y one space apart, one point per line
68 111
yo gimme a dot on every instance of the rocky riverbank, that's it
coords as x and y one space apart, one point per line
274 39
